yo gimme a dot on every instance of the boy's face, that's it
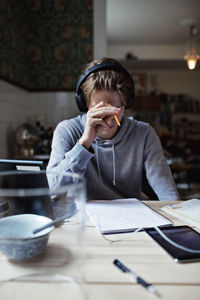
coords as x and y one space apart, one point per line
114 99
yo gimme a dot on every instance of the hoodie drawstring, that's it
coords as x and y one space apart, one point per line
113 155
98 165
99 171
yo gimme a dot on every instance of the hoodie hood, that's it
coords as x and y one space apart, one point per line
127 126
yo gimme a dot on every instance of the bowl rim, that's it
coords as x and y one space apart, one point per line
36 236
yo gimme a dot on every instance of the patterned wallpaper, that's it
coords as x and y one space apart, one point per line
45 43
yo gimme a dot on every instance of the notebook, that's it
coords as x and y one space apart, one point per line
123 216
188 211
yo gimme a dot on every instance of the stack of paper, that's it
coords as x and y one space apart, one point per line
188 211
123 215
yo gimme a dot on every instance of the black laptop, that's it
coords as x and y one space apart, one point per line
41 205
21 165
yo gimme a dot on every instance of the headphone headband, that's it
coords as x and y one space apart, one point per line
80 97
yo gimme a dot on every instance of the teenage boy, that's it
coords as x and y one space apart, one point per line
110 150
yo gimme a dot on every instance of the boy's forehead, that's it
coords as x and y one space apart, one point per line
104 95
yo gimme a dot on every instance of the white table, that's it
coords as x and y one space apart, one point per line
102 279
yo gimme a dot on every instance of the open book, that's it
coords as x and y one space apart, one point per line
123 215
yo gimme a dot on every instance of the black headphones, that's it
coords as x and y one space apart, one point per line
80 97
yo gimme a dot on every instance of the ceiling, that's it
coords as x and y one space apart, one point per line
150 21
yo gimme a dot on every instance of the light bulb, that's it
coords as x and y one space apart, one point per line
191 62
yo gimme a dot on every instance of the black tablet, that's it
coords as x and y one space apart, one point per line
182 235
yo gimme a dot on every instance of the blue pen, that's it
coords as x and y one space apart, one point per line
137 278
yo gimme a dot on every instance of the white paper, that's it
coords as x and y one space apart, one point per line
188 211
27 168
123 215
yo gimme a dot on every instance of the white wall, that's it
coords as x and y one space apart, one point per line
168 81
179 82
119 51
173 81
99 29
15 107
18 106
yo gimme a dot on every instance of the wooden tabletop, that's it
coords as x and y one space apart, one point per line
102 280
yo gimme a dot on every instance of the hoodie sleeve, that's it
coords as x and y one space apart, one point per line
67 154
157 170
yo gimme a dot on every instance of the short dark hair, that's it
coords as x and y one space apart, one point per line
109 80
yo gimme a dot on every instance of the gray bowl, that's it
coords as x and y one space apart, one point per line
17 240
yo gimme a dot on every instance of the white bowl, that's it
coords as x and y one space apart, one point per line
17 240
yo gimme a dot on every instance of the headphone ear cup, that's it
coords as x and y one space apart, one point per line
132 98
81 102
130 103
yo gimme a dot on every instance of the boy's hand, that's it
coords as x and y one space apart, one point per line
95 121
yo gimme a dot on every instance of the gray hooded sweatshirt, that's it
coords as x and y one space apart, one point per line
113 168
